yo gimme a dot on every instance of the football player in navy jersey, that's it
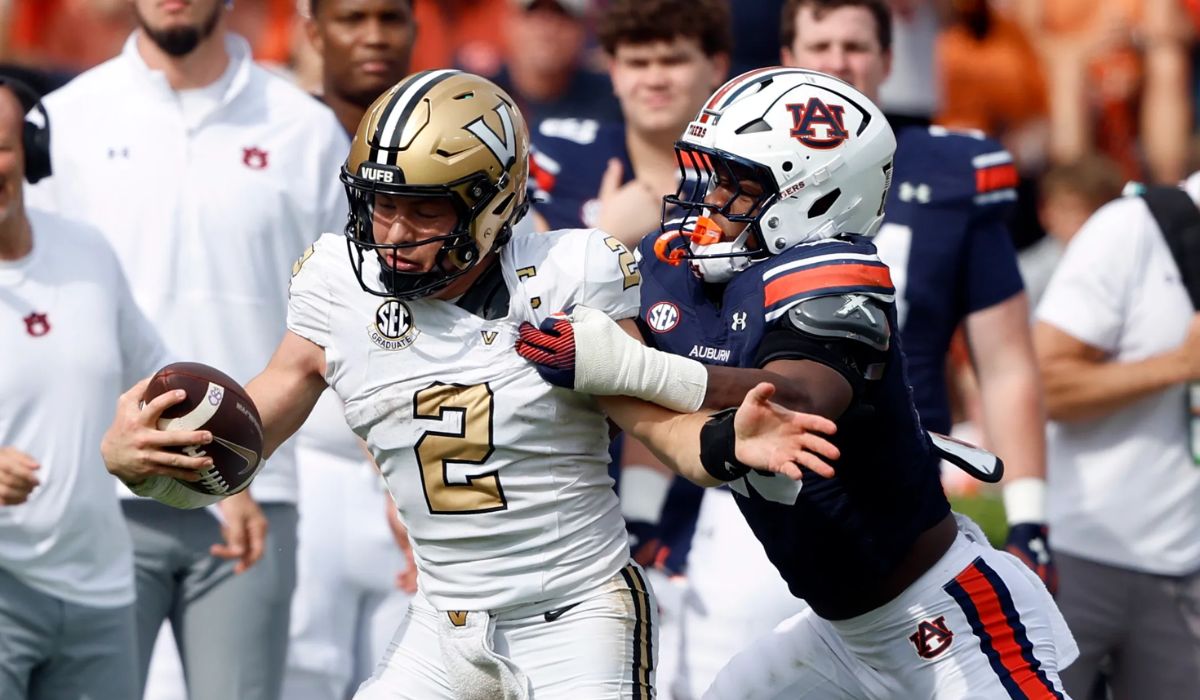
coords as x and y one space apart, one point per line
665 58
952 260
771 273
953 264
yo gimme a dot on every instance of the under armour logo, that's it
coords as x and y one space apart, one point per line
919 193
932 637
1038 547
739 321
856 302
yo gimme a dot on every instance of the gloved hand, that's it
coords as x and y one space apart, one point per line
551 348
585 350
645 542
1029 542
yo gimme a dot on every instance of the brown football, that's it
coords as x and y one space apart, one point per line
218 404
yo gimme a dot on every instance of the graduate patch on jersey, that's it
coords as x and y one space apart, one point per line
392 328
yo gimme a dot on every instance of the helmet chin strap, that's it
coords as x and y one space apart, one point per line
717 270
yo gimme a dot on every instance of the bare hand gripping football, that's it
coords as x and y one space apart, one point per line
197 437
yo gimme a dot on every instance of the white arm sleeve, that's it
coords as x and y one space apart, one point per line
172 493
608 362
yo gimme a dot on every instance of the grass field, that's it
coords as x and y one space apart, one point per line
987 509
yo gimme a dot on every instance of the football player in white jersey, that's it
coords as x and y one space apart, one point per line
525 583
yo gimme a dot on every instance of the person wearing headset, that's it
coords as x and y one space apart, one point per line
66 561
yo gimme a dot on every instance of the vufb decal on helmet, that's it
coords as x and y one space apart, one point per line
817 150
443 134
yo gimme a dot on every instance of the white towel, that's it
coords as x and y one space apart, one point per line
476 671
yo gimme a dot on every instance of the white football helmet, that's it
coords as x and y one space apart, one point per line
820 150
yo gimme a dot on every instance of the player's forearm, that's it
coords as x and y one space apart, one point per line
286 391
1015 420
727 386
674 438
284 401
1079 389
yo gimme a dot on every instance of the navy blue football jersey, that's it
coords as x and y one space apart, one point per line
568 160
830 539
588 95
945 239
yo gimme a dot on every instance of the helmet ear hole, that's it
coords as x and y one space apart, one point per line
499 208
822 205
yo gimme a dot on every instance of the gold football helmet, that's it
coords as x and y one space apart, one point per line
441 133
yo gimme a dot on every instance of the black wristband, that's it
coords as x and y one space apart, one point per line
717 447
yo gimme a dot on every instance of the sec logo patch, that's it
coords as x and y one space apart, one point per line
662 317
393 327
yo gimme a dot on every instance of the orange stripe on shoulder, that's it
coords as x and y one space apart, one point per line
825 277
996 177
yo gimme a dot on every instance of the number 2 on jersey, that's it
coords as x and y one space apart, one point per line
627 262
452 486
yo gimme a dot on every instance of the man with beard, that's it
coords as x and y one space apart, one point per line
347 602
209 176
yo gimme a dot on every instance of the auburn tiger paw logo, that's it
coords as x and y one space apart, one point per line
37 324
254 158
819 125
932 637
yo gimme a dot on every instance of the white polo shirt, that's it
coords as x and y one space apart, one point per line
1122 488
72 340
206 212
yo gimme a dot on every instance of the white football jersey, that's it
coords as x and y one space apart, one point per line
500 477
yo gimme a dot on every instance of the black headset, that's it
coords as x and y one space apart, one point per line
36 137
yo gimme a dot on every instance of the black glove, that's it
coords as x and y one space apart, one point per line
1030 543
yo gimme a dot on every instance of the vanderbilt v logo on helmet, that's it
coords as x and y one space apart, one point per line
441 133
504 149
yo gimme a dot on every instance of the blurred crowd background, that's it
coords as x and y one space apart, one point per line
1087 95
1105 88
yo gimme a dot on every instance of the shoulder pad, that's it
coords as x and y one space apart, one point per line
856 317
941 166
